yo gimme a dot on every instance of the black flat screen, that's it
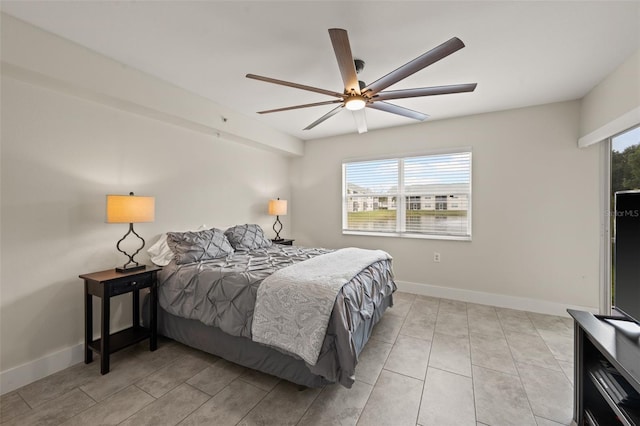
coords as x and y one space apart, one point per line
627 254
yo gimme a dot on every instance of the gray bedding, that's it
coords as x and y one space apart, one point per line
222 293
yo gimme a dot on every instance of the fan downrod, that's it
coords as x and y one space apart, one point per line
359 64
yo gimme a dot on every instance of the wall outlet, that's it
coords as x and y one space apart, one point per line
436 256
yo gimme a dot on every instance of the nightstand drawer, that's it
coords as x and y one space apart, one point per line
128 284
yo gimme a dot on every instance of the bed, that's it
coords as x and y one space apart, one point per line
298 313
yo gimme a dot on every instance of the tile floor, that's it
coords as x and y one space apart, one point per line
429 362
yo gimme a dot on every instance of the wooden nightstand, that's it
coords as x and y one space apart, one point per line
283 242
109 283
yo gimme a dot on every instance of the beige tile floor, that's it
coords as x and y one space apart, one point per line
429 362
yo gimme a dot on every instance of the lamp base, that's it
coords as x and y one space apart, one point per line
123 269
277 231
131 265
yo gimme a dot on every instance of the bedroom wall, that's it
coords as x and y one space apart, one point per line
613 105
535 208
51 61
61 153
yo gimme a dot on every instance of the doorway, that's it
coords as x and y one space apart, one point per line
624 174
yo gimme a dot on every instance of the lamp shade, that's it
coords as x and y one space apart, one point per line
130 209
277 207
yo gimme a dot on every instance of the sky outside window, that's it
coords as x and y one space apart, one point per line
627 139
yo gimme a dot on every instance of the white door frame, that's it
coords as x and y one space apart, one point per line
605 227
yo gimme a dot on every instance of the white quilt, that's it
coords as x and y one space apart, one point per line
293 305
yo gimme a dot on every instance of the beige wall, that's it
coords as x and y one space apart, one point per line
63 149
535 204
60 156
613 105
31 54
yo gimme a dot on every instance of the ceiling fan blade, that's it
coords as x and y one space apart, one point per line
361 120
342 49
426 59
300 106
324 117
295 85
425 91
395 109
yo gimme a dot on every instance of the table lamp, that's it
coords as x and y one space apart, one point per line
130 209
277 208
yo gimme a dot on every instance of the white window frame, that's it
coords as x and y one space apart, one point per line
401 201
605 228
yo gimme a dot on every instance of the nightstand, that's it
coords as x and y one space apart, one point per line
105 285
283 242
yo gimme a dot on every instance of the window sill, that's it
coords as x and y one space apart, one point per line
408 235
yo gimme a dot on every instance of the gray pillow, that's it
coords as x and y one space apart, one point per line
247 237
196 246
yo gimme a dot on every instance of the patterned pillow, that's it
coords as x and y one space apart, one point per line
247 237
196 246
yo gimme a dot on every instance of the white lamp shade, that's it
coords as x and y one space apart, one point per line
277 207
130 209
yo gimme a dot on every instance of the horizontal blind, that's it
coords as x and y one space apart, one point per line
431 193
437 191
370 196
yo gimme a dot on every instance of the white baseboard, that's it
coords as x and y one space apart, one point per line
24 374
499 300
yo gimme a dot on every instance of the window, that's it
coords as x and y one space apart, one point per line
420 197
413 203
441 202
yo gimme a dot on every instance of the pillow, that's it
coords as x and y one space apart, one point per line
190 247
160 253
247 237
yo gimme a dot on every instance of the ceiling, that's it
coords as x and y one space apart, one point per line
519 53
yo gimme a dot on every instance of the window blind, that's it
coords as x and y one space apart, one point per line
371 195
422 196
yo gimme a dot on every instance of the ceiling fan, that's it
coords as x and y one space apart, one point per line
357 95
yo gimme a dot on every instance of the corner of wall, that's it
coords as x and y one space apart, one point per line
613 105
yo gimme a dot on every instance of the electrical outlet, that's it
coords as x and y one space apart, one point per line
436 256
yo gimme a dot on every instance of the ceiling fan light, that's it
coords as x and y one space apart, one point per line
355 103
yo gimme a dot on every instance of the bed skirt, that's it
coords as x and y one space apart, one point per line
245 352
